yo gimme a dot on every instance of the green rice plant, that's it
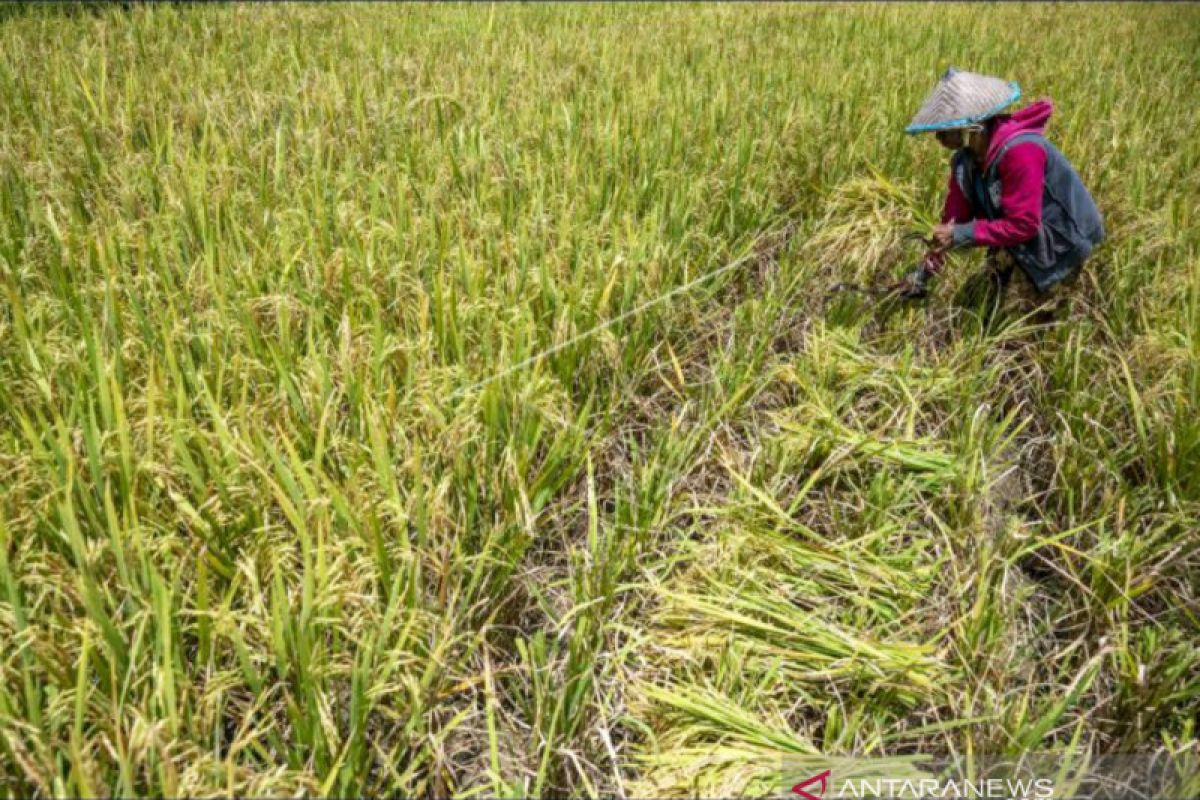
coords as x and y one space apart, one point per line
444 400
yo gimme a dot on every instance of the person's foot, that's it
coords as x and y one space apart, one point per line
1044 315
1051 310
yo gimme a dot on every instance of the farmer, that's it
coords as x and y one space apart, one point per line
1010 190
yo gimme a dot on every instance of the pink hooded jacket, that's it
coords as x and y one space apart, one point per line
1021 171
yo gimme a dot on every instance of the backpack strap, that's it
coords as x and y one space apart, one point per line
1029 136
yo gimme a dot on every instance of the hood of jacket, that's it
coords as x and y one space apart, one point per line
1031 119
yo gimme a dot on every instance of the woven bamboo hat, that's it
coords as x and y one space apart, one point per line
961 99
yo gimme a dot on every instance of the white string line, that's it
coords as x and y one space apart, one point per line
737 262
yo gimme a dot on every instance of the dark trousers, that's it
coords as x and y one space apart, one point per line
1001 285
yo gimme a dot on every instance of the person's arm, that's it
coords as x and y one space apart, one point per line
955 210
1022 176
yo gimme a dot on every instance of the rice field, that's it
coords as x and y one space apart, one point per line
293 503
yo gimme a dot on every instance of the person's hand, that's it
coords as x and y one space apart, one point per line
943 237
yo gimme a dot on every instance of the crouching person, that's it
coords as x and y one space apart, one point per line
1011 191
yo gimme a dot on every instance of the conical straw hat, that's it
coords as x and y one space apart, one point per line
961 99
